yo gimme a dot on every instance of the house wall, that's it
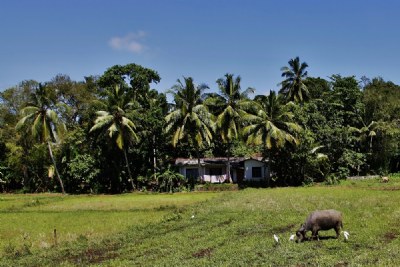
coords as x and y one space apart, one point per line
206 173
214 178
248 170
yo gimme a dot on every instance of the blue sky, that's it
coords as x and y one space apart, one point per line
203 39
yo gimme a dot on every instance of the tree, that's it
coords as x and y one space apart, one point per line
347 99
190 118
293 87
382 105
115 122
43 122
228 106
135 77
150 154
316 87
377 92
74 99
133 82
269 124
169 180
12 100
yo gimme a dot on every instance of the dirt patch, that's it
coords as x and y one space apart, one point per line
390 236
206 252
98 255
227 222
341 264
391 188
395 188
93 255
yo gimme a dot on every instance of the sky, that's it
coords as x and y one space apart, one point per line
202 39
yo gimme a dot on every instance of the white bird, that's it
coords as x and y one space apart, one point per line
346 235
292 237
276 238
192 216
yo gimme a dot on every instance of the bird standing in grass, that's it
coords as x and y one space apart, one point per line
346 235
292 237
276 238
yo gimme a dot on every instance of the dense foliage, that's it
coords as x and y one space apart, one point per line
114 133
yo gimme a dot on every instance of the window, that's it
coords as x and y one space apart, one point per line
256 172
215 171
192 173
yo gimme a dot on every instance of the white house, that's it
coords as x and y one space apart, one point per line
215 170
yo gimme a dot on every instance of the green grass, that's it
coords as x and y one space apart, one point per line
227 228
32 219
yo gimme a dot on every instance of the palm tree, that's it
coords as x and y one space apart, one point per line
365 133
293 87
115 122
229 106
45 125
269 123
190 118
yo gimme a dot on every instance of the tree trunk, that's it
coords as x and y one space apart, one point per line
129 170
55 168
198 165
267 158
154 158
229 164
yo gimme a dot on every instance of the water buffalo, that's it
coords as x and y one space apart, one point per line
320 220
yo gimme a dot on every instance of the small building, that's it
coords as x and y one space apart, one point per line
214 170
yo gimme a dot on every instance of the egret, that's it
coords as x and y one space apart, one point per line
346 235
292 237
192 216
276 238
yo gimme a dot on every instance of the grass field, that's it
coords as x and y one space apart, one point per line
202 229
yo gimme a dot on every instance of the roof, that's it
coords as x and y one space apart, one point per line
214 161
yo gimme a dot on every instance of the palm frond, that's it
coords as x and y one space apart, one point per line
120 141
22 122
113 129
37 127
102 113
29 110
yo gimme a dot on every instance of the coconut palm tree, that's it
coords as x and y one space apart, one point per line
190 118
228 106
293 87
116 123
43 122
269 123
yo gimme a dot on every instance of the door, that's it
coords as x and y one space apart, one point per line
240 175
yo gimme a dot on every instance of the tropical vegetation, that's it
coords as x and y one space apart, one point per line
113 133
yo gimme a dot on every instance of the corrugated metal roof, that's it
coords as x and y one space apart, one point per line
216 160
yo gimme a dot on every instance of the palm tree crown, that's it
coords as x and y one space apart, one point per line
44 122
269 124
293 87
115 119
190 117
228 106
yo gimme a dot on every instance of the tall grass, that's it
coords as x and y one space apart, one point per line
210 229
